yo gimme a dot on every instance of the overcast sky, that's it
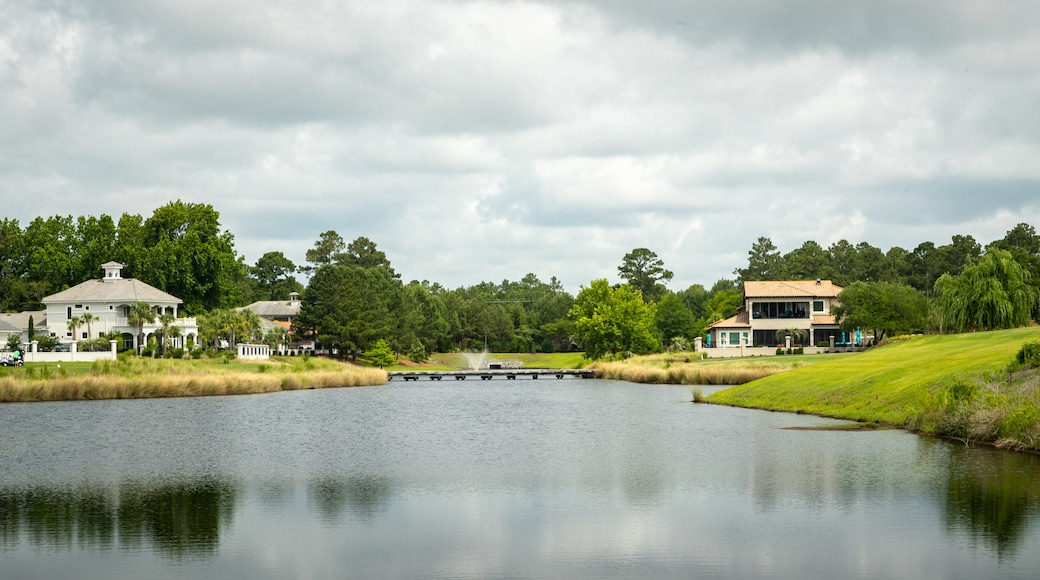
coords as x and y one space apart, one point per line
479 141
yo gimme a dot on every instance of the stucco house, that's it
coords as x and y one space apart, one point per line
279 310
20 321
772 306
110 299
280 314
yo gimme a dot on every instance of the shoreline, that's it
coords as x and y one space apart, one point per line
134 378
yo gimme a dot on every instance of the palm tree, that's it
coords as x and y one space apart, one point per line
87 318
798 335
73 325
141 313
169 329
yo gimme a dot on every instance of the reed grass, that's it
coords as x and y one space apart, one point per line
690 369
134 378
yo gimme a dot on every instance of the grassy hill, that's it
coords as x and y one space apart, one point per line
906 383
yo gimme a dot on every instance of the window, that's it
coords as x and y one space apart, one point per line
78 306
817 306
734 339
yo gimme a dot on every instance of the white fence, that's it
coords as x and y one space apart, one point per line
71 356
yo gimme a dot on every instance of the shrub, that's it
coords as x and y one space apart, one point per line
779 351
799 350
1029 354
417 353
177 353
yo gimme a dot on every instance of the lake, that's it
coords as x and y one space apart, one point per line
497 479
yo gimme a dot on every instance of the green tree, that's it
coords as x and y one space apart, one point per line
808 262
327 250
613 321
882 307
73 325
272 277
349 307
674 319
995 293
381 354
188 255
88 318
764 262
168 329
363 252
644 271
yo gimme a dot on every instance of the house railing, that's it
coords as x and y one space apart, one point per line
182 322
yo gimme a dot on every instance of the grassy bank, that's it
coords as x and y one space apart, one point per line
688 369
136 378
956 385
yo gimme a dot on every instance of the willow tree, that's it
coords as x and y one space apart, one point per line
994 293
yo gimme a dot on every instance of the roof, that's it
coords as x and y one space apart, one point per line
738 321
272 308
791 289
8 327
21 319
113 290
824 319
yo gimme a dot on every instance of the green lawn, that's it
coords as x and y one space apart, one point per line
887 384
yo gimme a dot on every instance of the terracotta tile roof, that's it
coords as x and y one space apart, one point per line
791 289
819 319
738 321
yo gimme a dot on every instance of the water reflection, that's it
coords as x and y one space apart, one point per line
992 495
177 520
363 495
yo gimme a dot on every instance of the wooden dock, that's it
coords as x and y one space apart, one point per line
487 375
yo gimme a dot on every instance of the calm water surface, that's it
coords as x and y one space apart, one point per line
504 479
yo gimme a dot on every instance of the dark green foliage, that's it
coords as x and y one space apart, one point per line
881 307
674 319
417 353
644 271
764 262
1029 354
272 278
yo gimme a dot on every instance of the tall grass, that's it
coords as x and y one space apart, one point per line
687 374
133 378
1001 408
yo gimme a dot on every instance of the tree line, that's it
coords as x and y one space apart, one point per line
354 298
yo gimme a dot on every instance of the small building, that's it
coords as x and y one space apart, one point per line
110 299
772 307
20 321
280 310
276 314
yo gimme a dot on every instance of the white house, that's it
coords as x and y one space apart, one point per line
110 299
775 306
